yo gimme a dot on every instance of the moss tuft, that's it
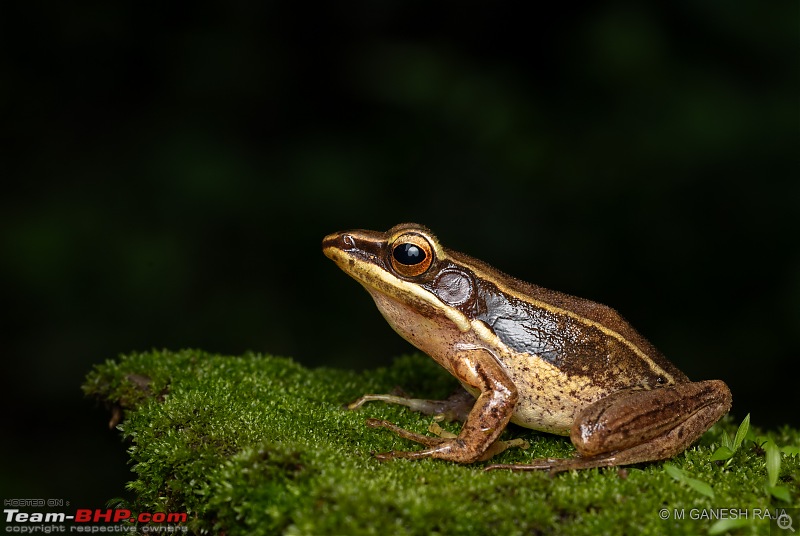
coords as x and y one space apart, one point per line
261 445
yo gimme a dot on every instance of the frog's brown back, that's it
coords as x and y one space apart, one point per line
510 295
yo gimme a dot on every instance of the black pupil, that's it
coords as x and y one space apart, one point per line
408 254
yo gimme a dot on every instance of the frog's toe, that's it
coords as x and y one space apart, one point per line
557 465
405 434
383 456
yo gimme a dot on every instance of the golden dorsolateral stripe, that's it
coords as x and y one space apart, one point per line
464 324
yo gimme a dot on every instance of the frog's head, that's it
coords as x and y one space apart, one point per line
406 271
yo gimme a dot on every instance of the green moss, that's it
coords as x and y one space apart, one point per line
260 445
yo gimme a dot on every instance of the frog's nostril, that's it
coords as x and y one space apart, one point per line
338 242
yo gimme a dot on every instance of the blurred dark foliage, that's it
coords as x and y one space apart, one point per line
170 171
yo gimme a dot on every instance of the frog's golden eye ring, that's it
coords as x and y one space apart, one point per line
412 255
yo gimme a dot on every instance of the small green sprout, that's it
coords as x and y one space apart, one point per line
728 448
773 454
771 450
698 485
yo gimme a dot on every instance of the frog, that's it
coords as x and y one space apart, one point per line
538 358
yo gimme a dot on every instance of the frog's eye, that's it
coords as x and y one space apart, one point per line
412 255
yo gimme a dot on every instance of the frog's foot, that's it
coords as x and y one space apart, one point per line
443 441
454 408
429 441
557 465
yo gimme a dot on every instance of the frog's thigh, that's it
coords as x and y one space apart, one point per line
649 424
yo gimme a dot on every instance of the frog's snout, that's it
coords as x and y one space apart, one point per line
335 242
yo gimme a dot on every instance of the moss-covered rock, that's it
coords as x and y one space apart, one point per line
261 445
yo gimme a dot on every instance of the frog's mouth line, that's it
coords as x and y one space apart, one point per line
376 279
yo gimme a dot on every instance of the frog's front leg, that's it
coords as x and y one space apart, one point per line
475 367
635 426
455 408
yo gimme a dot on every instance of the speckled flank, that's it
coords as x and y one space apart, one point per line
551 398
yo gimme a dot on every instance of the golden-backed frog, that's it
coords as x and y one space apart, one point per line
535 357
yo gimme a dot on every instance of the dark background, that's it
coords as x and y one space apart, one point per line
170 171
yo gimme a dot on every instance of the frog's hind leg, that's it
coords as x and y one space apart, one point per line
639 426
455 408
